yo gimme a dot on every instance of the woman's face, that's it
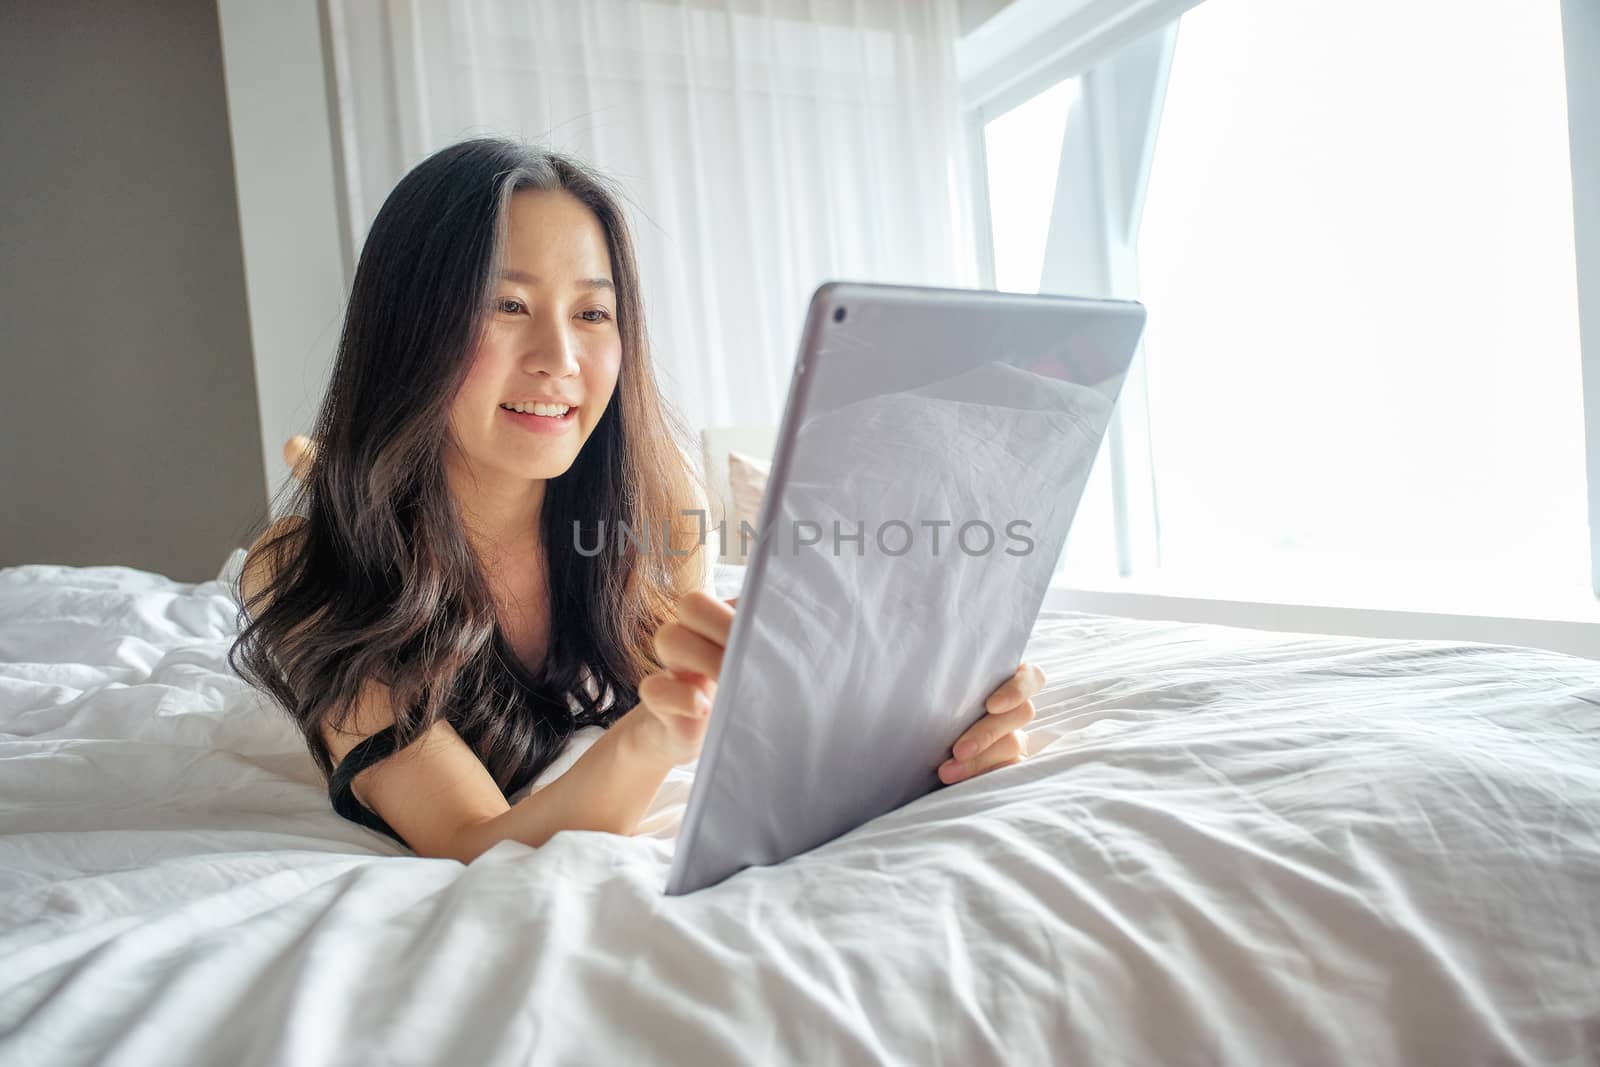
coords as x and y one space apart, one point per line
552 338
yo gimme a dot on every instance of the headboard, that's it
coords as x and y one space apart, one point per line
752 439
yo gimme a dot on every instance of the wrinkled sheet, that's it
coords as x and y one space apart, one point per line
1227 846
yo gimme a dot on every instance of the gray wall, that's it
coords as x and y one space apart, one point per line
129 431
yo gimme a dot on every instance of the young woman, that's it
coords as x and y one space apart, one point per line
425 614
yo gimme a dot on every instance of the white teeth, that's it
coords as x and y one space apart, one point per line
554 411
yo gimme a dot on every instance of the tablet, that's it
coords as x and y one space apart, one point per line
933 451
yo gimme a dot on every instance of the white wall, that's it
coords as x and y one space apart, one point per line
290 210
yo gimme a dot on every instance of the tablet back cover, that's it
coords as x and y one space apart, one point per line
934 449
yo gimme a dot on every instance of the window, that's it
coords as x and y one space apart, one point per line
1357 250
1022 149
1022 155
1352 226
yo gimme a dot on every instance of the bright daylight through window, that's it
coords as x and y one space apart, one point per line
1022 152
1357 251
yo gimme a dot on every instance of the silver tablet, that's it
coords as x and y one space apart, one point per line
933 451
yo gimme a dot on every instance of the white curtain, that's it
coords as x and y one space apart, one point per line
766 146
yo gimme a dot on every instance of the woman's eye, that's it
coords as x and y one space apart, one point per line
602 312
510 306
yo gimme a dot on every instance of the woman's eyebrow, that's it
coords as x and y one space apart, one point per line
581 283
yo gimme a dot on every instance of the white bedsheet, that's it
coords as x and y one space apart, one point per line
1229 846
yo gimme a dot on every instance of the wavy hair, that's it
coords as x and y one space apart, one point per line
380 582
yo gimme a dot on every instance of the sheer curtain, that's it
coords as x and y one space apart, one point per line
765 145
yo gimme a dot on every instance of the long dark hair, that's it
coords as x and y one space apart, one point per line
380 582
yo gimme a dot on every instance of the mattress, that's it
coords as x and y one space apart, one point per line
1226 846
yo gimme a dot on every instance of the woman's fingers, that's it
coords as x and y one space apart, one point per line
679 697
991 728
667 693
1007 749
1023 685
707 616
695 640
678 708
681 648
996 739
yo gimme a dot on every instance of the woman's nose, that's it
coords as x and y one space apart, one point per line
552 348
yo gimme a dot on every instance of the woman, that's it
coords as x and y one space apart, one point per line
426 614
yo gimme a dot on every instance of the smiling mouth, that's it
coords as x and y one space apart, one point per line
544 423
547 411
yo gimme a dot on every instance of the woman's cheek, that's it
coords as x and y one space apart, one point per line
607 382
478 387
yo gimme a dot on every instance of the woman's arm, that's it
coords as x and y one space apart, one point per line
609 788
437 795
611 785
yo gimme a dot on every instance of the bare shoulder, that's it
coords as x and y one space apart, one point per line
260 562
431 792
435 790
373 710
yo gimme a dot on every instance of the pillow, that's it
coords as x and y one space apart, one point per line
747 481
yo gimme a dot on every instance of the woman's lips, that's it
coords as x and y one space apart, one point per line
543 423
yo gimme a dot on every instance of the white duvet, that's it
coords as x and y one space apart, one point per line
1228 846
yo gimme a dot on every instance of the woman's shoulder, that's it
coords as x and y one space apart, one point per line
262 560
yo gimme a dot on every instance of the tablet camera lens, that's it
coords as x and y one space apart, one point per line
838 314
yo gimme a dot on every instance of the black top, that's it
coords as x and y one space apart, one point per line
380 746
370 750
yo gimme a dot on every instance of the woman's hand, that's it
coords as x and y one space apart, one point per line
676 701
995 740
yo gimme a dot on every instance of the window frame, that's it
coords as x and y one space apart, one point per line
1031 45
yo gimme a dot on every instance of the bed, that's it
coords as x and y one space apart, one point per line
1227 846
